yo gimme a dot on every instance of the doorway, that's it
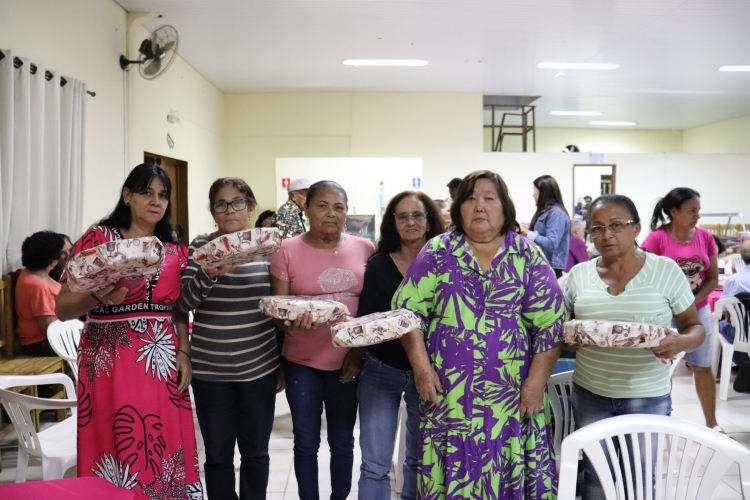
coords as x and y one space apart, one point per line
178 174
591 180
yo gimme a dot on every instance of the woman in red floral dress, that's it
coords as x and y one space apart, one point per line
135 421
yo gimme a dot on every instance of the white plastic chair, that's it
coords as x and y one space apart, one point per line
736 314
733 258
676 361
64 337
690 458
54 446
559 389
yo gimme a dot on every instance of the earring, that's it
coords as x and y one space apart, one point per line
127 204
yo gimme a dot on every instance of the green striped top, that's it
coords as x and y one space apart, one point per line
654 295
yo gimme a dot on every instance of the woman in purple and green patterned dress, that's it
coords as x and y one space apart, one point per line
492 316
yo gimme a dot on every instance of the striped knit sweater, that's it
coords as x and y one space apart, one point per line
232 340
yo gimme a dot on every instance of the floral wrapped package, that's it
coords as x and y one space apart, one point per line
612 334
238 248
101 266
289 307
374 328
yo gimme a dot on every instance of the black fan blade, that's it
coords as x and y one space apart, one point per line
152 67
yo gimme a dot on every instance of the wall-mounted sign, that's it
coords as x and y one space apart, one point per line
596 158
416 182
285 182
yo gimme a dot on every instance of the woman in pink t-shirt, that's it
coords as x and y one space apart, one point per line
328 263
694 250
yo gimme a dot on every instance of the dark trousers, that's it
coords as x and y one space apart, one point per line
242 413
41 348
307 390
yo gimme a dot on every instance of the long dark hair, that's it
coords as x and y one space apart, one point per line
466 189
390 241
138 181
674 199
549 196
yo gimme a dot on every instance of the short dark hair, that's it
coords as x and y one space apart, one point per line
549 196
390 241
454 183
466 189
66 238
263 216
617 199
441 204
235 182
674 199
138 181
41 249
314 188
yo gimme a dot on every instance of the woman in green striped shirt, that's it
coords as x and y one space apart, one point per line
626 284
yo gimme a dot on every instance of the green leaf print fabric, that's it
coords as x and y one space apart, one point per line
481 331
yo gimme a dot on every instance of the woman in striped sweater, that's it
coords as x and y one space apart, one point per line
234 352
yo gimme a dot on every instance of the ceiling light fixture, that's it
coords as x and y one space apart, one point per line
385 62
575 113
562 65
616 124
734 68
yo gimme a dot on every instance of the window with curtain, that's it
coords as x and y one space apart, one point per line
41 154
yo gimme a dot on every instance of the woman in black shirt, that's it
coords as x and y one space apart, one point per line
410 219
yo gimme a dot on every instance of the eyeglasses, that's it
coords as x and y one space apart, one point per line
404 217
614 228
222 206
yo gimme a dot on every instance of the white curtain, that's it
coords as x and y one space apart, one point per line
41 155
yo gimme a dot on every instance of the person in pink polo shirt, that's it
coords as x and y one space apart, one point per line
326 262
675 235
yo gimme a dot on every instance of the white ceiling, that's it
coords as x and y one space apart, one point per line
669 51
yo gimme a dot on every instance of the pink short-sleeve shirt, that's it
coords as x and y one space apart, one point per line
693 257
330 273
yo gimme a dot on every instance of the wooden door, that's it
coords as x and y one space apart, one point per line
178 173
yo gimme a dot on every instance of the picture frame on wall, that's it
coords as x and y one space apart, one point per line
360 225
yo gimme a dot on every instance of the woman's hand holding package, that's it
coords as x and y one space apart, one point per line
219 271
110 295
670 345
302 322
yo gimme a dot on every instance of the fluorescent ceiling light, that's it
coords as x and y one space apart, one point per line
575 113
385 62
617 124
734 68
562 65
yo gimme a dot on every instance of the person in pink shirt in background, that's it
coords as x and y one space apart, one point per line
694 250
577 249
328 263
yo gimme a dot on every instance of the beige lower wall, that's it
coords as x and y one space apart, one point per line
730 136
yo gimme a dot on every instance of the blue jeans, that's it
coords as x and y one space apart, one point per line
240 412
728 332
379 394
307 389
589 408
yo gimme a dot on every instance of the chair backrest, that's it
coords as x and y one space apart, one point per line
64 337
733 258
19 406
7 334
690 459
737 316
559 389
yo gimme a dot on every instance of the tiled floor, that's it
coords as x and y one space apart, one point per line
282 485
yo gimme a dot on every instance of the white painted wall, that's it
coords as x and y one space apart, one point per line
81 39
197 138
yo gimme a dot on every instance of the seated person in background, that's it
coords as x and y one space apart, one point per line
265 218
57 271
36 292
734 284
577 250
